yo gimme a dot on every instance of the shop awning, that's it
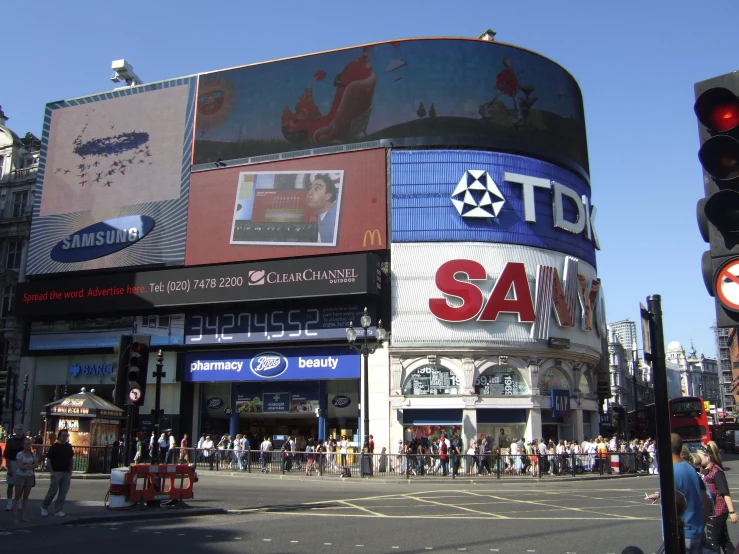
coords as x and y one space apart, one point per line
432 417
83 404
501 415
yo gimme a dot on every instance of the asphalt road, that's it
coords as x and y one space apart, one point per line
290 515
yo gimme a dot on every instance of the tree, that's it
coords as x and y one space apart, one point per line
421 111
432 111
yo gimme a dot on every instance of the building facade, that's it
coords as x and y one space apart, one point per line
725 341
19 159
699 375
461 218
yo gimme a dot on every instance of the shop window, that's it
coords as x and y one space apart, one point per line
501 380
431 380
553 378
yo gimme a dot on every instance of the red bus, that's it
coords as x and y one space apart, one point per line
688 419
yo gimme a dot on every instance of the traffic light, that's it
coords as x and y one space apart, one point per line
122 351
717 110
138 362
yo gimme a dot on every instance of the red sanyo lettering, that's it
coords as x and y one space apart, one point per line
510 294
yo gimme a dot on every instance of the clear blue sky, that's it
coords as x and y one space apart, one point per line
636 63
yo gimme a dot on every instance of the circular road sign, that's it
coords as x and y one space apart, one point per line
727 285
134 395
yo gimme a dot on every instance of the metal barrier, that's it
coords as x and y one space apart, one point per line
101 459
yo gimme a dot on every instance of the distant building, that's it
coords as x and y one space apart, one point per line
727 350
18 167
699 376
626 332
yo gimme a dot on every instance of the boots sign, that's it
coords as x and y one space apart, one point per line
570 297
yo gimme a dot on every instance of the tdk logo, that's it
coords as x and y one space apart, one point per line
268 365
101 239
256 277
477 195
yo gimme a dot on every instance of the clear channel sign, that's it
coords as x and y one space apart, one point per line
727 285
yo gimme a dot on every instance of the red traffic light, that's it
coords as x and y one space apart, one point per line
139 348
718 110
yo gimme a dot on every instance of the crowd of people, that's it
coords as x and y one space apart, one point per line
23 455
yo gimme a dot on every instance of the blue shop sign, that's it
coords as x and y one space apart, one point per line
560 402
293 364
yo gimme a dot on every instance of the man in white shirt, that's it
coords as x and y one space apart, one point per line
264 449
172 449
322 198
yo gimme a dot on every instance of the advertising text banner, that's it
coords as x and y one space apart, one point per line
298 364
305 207
502 97
258 281
470 196
113 179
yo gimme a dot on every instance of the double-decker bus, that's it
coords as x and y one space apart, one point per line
688 419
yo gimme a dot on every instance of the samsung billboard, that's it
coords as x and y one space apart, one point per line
473 196
113 179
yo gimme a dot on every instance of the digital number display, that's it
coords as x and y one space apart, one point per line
276 325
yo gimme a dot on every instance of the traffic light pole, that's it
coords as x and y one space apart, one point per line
670 530
157 403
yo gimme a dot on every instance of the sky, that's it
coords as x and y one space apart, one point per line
636 64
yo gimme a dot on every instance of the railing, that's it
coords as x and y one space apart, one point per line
25 173
416 465
101 459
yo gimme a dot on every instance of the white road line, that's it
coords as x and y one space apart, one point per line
267 540
294 542
327 544
237 538
180 534
359 545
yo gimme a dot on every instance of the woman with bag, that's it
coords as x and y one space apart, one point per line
25 478
716 533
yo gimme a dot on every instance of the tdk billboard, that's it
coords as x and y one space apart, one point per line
471 196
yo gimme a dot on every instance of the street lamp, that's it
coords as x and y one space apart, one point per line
365 350
634 366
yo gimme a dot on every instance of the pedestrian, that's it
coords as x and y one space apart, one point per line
264 453
24 478
207 449
717 535
687 482
61 459
13 445
163 443
184 456
172 452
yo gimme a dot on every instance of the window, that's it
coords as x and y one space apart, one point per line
20 199
431 380
500 380
2 163
6 302
13 255
554 378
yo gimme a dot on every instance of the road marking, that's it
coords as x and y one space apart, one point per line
326 544
448 505
180 534
237 538
267 540
294 542
376 514
359 545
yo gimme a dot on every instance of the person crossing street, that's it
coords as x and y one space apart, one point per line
61 459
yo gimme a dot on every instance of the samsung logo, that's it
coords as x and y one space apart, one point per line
268 365
101 239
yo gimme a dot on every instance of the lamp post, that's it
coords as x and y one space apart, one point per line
634 366
365 350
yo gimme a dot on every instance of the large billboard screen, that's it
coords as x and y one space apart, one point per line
414 92
113 180
309 206
472 196
250 282
495 295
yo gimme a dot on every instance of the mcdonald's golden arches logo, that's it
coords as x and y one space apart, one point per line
371 235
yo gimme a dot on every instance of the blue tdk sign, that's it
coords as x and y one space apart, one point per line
293 364
102 238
